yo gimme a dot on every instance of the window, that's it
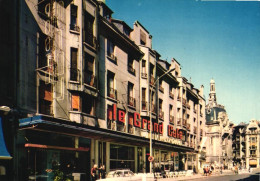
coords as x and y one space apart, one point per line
143 73
74 64
131 99
73 18
89 77
45 98
161 113
89 32
110 49
153 107
131 65
152 79
160 86
171 114
142 38
171 94
88 104
75 102
144 103
111 91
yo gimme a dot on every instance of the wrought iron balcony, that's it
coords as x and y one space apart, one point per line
152 79
171 119
74 74
144 75
161 114
89 79
153 108
178 121
90 39
195 130
131 101
144 106
74 27
188 126
112 93
131 69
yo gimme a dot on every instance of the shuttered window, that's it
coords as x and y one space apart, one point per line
75 102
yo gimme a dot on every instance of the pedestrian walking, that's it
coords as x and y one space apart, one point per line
102 172
93 173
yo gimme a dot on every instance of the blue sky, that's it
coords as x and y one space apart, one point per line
210 39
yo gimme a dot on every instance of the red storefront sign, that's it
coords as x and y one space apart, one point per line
139 122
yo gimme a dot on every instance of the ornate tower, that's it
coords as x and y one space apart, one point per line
212 94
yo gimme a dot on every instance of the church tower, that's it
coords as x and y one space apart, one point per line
212 94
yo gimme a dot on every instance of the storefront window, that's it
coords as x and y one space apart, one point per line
121 157
57 159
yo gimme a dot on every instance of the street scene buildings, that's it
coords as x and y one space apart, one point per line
80 88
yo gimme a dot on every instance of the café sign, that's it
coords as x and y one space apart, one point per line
140 122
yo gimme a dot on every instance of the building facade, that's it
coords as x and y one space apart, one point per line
86 90
218 132
246 145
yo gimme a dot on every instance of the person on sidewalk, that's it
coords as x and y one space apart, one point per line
94 173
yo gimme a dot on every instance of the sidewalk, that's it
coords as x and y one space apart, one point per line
196 176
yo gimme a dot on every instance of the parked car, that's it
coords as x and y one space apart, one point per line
125 174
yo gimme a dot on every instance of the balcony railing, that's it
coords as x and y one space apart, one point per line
131 69
112 57
161 114
252 147
153 108
74 27
74 74
184 122
188 126
91 39
152 79
171 119
89 79
171 95
178 121
144 75
195 130
112 93
131 101
144 106
161 88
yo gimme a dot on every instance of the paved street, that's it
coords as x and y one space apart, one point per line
254 176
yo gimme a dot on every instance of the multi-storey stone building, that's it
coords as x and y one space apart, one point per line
246 145
86 91
218 132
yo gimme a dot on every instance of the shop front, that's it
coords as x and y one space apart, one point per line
50 147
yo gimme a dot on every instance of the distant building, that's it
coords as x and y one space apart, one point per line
218 132
246 144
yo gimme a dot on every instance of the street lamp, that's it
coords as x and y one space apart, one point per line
151 125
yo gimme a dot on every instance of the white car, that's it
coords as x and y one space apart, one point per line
124 174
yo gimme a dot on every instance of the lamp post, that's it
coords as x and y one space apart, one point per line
151 125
